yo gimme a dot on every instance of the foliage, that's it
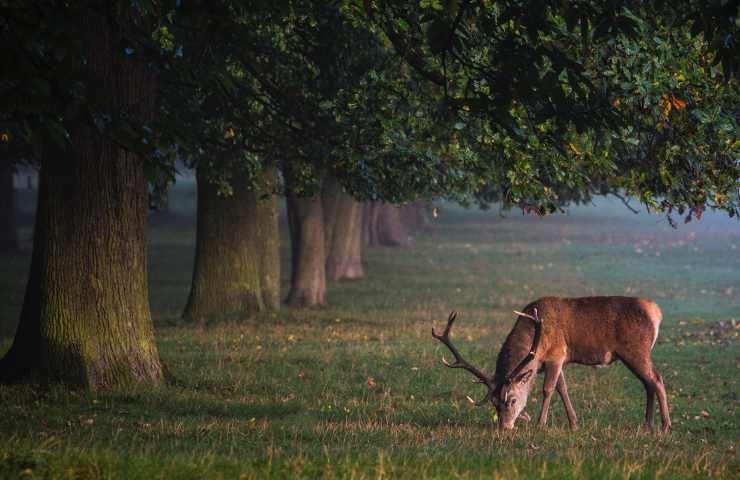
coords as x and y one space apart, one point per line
46 86
542 125
536 105
681 147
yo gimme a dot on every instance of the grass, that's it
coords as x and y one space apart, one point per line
355 390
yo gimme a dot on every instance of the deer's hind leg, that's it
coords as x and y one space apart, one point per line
562 389
642 366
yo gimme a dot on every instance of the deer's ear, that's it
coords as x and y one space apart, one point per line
524 376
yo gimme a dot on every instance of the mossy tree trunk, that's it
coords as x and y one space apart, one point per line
343 232
382 225
8 231
85 319
308 274
237 253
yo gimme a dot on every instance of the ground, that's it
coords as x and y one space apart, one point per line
356 390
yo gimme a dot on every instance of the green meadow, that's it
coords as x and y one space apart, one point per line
357 390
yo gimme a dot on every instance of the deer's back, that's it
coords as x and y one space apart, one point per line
594 330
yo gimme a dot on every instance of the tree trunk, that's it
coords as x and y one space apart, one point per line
382 225
237 252
308 275
269 242
370 224
330 204
8 232
343 234
414 216
85 319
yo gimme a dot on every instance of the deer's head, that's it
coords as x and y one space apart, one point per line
512 396
507 394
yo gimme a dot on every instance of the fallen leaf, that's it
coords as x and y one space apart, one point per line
677 103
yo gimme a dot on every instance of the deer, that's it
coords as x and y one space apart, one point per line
554 331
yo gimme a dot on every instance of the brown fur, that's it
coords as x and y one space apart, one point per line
590 331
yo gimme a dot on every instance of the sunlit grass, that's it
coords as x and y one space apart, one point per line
356 390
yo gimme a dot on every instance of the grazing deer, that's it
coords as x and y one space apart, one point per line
553 331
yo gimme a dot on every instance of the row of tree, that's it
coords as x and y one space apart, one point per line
476 101
237 264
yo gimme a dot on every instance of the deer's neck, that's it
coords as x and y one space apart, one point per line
515 348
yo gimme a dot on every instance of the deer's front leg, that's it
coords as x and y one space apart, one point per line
552 374
562 388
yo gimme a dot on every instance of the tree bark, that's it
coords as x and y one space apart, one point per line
370 224
308 274
343 233
237 252
330 204
85 319
8 231
382 225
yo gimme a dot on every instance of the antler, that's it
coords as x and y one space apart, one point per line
535 344
483 378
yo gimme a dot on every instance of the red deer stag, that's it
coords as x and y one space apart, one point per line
553 331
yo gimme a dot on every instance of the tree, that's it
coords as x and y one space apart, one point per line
308 251
343 233
237 262
383 225
316 83
85 319
210 90
415 215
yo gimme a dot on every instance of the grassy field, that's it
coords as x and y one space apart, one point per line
356 390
